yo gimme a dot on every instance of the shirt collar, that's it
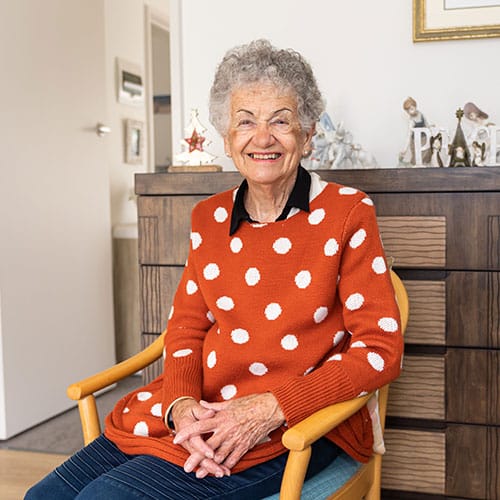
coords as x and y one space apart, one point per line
299 198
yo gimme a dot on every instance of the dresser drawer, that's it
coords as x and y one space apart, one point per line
468 218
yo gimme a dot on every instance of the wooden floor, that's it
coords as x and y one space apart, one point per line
21 469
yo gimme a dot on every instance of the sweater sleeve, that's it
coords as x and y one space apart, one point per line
371 355
188 323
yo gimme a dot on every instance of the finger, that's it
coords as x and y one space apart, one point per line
202 447
195 429
214 406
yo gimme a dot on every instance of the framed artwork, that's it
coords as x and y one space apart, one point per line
130 83
134 142
435 20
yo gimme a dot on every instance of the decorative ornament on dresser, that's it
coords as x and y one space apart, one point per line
194 158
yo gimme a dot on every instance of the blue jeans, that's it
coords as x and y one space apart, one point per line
100 471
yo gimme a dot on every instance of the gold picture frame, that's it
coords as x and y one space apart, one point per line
432 21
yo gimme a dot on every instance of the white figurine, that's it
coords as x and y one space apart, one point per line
415 120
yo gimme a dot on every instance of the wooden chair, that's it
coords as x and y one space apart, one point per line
343 479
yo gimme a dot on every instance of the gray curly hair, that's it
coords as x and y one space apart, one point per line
260 62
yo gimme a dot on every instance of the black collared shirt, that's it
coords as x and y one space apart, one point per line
299 198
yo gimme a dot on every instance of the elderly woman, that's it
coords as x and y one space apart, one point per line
285 306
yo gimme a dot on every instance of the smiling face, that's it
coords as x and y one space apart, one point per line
265 139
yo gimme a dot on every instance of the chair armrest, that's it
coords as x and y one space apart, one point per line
309 430
118 372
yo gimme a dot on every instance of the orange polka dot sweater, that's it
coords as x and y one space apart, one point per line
303 308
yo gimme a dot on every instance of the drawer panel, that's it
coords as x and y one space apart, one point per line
414 241
473 310
414 461
158 285
472 225
427 321
164 227
419 392
473 386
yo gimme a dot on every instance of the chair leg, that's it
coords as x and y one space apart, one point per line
90 419
374 491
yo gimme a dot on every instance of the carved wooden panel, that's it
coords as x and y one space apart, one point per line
473 458
419 392
414 461
427 321
473 386
473 309
158 286
414 241
164 228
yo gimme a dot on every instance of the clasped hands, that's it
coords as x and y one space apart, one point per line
217 435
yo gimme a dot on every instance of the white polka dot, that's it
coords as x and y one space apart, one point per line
182 353
389 325
191 287
212 359
282 246
252 276
258 369
309 370
347 190
144 395
211 271
378 265
225 303
210 316
358 343
354 301
289 342
171 313
303 279
376 361
196 240
357 238
164 353
361 394
228 391
331 247
335 357
316 216
367 201
156 410
320 314
220 214
126 409
236 245
141 429
239 336
338 337
273 310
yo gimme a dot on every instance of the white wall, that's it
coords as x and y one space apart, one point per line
125 36
362 54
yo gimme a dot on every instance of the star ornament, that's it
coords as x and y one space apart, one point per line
195 141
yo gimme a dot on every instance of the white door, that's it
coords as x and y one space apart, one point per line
56 319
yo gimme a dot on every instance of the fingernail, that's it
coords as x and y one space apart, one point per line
209 454
219 474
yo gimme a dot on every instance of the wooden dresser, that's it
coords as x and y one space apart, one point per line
442 226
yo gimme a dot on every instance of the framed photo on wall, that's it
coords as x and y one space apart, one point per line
130 83
134 142
435 20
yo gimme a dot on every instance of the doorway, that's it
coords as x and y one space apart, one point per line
159 96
